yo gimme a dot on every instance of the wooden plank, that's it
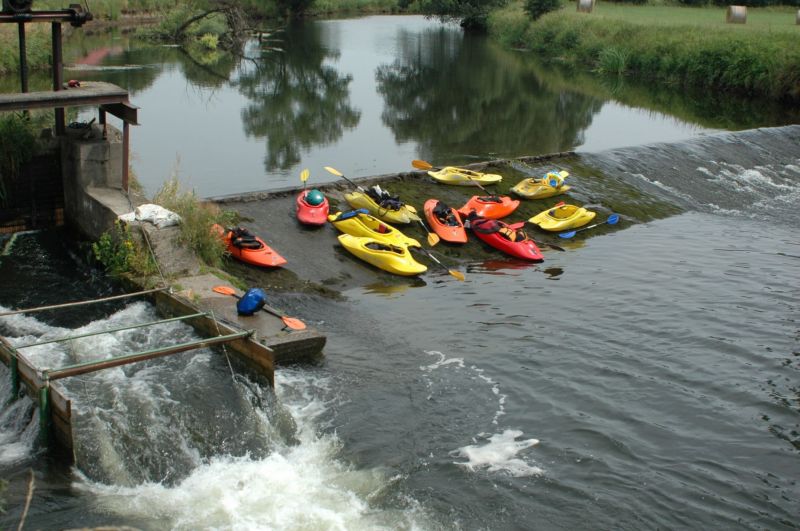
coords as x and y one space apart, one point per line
124 111
6 351
89 93
59 403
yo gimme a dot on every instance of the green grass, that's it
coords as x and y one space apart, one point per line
770 19
674 45
322 7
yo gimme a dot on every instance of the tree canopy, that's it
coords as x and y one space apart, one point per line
470 13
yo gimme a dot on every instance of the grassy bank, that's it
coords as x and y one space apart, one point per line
673 45
332 7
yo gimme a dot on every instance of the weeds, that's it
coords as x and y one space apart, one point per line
121 255
197 219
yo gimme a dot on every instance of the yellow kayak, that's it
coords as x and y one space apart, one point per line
562 217
359 223
391 212
395 259
464 177
548 186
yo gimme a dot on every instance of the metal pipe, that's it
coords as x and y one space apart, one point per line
14 368
110 330
44 413
93 366
81 303
58 75
23 57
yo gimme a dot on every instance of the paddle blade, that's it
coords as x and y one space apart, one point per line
564 174
334 171
458 274
433 239
225 290
421 164
566 235
612 219
304 175
294 324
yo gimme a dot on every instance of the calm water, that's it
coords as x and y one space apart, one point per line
368 96
649 377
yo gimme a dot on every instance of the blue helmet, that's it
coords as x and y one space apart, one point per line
314 197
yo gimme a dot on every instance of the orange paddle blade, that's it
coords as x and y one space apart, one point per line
421 164
294 324
225 290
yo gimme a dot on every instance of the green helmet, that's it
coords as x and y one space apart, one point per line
314 197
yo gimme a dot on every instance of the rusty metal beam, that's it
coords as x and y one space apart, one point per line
89 93
93 366
76 17
124 111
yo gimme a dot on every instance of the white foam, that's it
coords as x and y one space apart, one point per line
500 454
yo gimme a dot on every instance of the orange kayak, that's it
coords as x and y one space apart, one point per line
249 248
489 206
445 221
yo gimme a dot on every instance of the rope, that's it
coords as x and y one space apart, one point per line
224 350
147 242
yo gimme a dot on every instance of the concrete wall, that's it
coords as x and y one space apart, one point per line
91 162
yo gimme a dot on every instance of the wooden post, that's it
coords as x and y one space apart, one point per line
736 15
585 6
13 367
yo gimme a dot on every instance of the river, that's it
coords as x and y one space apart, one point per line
648 377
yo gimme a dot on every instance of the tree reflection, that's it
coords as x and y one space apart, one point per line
296 100
457 95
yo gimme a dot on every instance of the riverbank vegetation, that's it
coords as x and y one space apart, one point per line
677 46
19 141
197 218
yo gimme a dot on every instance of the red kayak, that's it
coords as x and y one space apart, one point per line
489 206
507 238
445 221
249 248
310 211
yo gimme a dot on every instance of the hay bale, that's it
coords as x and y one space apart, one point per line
736 15
585 6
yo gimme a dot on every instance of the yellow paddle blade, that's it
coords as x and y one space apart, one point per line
304 175
458 274
421 164
564 174
433 239
333 171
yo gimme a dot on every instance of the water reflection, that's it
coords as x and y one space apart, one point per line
297 101
459 95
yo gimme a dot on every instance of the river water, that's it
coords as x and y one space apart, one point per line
649 377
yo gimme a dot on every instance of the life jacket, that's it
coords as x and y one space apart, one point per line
244 239
253 300
445 214
384 199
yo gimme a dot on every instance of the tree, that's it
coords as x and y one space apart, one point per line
471 13
537 8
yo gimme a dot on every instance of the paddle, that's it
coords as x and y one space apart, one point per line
422 165
337 173
290 322
458 274
612 220
304 177
433 239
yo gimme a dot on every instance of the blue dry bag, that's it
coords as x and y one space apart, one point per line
252 301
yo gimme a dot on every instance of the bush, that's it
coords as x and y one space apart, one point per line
121 255
537 8
18 144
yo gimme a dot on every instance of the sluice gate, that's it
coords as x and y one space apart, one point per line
55 406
